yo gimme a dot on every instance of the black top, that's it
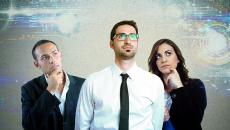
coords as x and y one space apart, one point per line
40 109
188 105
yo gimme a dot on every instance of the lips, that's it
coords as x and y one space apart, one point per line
165 66
127 47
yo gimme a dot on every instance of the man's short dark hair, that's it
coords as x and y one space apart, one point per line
125 22
39 43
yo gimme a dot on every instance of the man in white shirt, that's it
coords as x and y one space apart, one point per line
99 103
49 101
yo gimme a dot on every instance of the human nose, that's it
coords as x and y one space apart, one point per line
51 59
127 39
163 59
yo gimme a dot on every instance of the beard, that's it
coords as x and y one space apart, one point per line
126 55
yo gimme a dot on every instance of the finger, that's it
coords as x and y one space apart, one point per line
59 72
52 72
56 72
47 75
170 76
175 71
171 71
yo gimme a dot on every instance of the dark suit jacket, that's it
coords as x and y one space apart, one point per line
189 103
40 109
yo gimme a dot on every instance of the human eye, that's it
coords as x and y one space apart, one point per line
44 58
122 36
168 53
158 56
55 52
133 36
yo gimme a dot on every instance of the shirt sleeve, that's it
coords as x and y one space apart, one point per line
85 107
158 106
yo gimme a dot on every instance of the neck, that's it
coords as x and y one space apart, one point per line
63 77
165 76
124 65
61 86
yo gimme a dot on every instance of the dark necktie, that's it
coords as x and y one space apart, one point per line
124 103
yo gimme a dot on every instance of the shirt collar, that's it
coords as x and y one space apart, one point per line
67 82
132 72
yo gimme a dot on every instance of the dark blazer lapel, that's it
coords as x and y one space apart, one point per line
43 82
74 88
71 101
44 85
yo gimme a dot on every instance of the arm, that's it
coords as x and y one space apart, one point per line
158 107
35 111
192 99
85 108
199 101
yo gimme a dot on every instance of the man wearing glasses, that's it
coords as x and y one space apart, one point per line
122 96
49 101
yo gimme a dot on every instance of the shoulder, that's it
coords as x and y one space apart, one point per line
150 79
34 82
196 82
198 92
96 79
151 84
197 86
147 75
100 74
37 84
75 78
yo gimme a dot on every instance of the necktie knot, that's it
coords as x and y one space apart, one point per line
124 76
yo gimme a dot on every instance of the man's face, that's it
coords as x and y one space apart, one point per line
125 42
48 58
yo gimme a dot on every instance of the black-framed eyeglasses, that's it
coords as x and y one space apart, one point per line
123 36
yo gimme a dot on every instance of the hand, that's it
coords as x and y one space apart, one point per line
54 80
166 115
173 80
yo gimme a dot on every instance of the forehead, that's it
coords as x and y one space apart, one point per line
125 29
164 47
45 49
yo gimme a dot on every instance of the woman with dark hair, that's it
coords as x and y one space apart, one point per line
185 96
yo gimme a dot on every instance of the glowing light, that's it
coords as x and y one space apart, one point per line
216 41
173 11
66 23
215 49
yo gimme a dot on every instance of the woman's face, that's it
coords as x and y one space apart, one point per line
166 58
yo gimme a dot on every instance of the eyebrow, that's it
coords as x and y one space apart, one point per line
166 51
49 53
169 50
54 50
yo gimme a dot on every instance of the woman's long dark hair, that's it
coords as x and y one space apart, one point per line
182 70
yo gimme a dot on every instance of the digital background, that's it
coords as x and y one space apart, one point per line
81 28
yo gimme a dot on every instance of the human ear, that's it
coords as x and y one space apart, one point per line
111 44
36 64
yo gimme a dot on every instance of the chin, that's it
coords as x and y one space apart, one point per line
165 71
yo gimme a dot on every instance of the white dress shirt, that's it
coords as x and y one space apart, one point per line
99 101
62 96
